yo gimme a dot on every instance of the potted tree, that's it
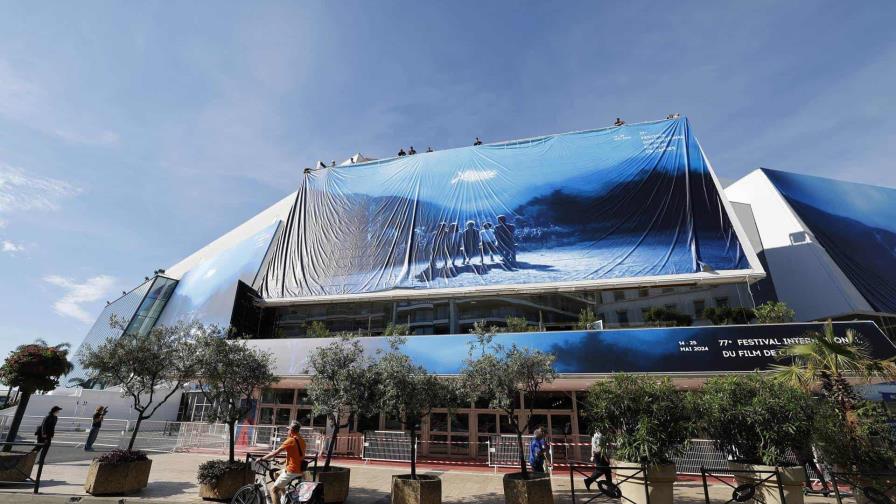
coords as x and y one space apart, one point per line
648 422
756 421
149 367
501 374
341 386
407 391
35 367
228 373
852 434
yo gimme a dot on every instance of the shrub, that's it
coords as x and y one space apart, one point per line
647 420
774 312
754 419
725 315
586 319
662 317
122 456
859 441
211 471
317 329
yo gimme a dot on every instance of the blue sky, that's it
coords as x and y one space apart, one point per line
133 133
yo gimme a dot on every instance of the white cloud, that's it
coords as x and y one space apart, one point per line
473 176
21 191
11 247
76 294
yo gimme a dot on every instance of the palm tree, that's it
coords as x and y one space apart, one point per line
827 360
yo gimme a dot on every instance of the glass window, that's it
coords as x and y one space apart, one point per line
538 421
266 416
368 423
481 404
671 307
487 423
622 317
267 396
439 443
320 421
303 417
393 424
553 400
506 426
460 422
643 293
558 423
619 295
668 290
699 306
302 397
282 416
438 422
284 396
721 301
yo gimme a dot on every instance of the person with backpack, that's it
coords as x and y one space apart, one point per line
47 429
294 448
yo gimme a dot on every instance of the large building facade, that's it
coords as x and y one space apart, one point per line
611 222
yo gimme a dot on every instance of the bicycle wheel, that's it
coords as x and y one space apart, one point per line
249 494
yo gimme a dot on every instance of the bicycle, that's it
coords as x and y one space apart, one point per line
298 491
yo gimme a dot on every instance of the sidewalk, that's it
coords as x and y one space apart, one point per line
173 481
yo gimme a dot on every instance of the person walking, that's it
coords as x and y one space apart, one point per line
538 449
47 429
805 456
98 416
601 461
294 447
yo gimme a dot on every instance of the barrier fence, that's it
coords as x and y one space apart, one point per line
163 436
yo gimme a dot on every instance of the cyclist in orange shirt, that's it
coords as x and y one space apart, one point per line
294 447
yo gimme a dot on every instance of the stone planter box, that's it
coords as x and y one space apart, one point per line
336 483
792 480
116 479
19 465
425 489
660 482
536 490
227 484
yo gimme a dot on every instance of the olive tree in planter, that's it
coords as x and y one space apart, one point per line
228 373
35 367
501 374
648 422
149 367
756 421
342 384
406 390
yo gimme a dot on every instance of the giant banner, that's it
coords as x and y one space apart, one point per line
622 202
856 225
671 350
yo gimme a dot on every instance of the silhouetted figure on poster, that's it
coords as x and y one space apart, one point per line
488 243
401 152
452 243
437 246
412 151
477 142
470 239
504 232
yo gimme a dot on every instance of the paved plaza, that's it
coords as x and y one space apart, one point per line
173 480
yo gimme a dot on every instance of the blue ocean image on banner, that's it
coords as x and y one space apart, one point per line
207 291
856 225
631 201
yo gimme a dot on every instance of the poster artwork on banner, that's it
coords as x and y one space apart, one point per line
632 201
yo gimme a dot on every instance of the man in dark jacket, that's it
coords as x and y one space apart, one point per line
95 427
47 428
